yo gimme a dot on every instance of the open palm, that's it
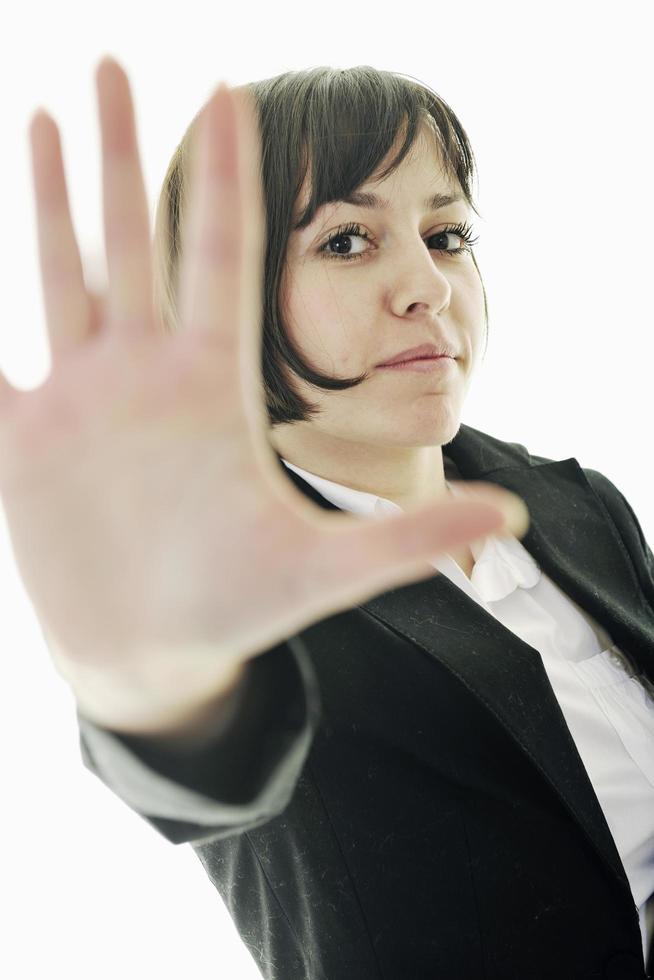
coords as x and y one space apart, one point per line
146 510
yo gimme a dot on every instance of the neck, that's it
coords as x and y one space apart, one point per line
409 476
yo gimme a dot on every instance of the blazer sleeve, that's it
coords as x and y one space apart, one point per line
245 776
629 529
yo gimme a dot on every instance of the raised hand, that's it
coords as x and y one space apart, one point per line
156 537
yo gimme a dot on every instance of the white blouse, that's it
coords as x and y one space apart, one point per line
608 707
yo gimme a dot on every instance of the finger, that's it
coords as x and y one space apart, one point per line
212 233
9 399
97 314
253 251
7 394
62 280
125 207
360 559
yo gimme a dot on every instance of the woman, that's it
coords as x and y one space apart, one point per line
386 772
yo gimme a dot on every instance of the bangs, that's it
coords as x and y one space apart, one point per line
349 126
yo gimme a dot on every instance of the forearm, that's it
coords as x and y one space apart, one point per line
243 775
182 709
192 730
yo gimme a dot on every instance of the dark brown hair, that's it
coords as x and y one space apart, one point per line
337 126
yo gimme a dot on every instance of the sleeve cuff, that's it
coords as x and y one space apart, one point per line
244 775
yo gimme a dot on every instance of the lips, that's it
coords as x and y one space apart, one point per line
420 353
412 360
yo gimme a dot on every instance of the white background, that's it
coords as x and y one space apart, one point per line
557 102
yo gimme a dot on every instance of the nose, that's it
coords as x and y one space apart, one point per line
418 284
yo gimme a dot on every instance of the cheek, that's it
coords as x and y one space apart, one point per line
325 326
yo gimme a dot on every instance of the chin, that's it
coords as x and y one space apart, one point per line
435 430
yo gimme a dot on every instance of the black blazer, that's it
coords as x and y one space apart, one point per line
401 796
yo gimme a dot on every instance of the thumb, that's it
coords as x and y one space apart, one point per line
360 559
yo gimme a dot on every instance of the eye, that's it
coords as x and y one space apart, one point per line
346 231
462 231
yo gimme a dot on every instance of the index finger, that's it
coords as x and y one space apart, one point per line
253 229
220 270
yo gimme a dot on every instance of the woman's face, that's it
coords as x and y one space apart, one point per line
406 287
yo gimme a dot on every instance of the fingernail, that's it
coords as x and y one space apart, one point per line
517 516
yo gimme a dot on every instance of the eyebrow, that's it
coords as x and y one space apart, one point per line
364 199
361 199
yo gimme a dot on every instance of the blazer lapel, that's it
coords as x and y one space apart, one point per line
577 546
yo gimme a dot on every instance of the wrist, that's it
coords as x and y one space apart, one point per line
184 708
